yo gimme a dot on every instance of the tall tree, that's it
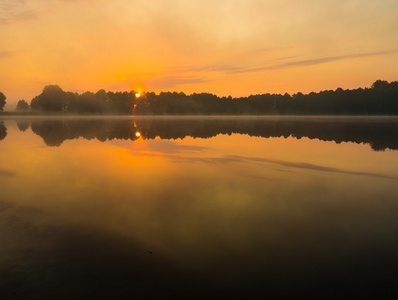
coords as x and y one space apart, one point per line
22 105
52 99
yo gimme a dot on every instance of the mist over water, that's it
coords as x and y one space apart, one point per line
198 208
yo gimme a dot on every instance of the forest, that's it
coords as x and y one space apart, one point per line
380 99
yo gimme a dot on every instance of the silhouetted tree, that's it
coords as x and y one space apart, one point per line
143 104
88 103
380 85
2 101
73 102
22 105
121 102
52 99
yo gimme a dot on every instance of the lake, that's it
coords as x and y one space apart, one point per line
198 207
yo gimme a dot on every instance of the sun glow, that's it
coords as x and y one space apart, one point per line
137 134
137 95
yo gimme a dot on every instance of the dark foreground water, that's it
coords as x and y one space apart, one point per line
174 208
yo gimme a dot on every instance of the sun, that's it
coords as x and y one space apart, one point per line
137 134
137 95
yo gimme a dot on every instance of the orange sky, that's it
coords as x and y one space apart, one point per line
226 47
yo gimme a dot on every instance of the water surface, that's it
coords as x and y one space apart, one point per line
198 208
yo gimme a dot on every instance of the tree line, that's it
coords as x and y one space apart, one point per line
380 99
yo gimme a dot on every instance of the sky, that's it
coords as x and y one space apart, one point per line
225 47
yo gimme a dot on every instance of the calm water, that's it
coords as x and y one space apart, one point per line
166 208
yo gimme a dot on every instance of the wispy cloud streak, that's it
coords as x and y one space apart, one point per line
15 10
303 63
171 81
6 54
8 173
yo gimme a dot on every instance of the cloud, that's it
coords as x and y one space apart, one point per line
8 173
267 50
307 62
219 68
171 81
9 5
15 10
6 54
163 80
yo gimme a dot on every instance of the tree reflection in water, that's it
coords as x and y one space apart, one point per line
379 133
3 131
